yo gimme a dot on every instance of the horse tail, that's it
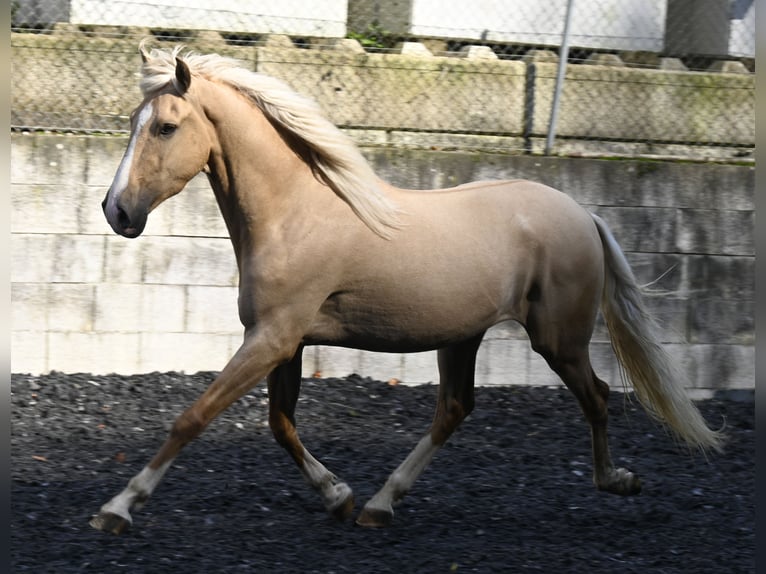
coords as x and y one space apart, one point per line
644 363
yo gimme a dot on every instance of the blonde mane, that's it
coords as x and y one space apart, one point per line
333 155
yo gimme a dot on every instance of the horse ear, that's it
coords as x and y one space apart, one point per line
183 75
142 51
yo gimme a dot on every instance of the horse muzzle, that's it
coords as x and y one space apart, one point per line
126 222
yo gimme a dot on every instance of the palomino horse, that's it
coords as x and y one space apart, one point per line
328 254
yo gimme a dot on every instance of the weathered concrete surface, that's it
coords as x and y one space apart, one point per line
86 300
413 98
392 91
619 103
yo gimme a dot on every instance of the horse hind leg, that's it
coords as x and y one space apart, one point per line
592 394
455 401
284 387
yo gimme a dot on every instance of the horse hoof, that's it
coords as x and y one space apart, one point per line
375 517
110 522
343 510
621 481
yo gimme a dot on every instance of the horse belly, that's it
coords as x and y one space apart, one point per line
413 310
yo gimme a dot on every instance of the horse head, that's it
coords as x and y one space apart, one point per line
168 146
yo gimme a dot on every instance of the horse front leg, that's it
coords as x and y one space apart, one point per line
284 384
253 361
457 364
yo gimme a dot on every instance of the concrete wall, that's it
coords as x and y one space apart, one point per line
84 299
475 101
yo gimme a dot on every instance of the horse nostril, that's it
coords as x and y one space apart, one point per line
122 218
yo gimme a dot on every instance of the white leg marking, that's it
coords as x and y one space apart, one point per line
136 493
402 479
333 491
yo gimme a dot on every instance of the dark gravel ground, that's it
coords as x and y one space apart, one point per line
511 491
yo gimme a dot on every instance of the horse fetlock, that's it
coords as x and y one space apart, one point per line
343 508
339 501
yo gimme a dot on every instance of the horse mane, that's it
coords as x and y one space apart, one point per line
332 154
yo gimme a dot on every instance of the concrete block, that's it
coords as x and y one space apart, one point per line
97 353
719 366
511 362
331 362
416 49
728 67
717 232
473 52
420 368
722 277
672 65
604 59
188 261
381 366
29 306
310 363
345 44
212 310
56 258
140 308
48 159
722 321
29 352
186 352
642 229
52 208
731 187
71 306
279 41
31 260
635 104
500 362
537 55
124 259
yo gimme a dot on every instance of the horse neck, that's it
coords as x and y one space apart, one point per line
257 178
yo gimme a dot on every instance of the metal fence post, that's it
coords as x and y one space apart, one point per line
563 57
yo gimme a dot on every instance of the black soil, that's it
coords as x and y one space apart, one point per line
510 492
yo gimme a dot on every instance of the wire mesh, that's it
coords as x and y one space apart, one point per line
646 74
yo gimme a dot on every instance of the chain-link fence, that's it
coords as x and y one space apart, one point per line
614 76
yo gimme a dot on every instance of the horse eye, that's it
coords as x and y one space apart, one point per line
167 129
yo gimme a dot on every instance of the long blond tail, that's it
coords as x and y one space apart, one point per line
647 366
